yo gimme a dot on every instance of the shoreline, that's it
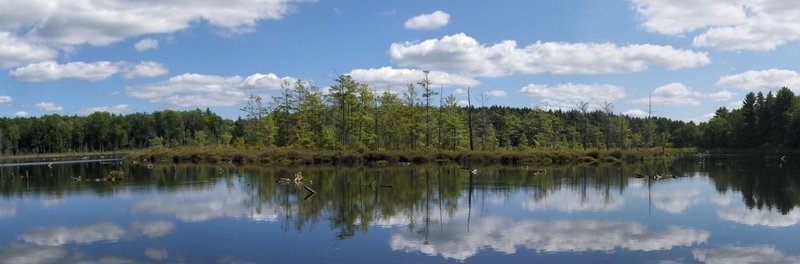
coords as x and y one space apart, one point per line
304 157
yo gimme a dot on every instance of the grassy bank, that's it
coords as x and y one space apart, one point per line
62 156
288 157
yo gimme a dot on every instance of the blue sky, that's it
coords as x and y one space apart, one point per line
78 57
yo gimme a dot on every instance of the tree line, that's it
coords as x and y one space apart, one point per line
351 116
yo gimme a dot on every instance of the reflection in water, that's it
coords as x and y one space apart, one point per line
156 254
57 236
505 236
570 200
21 253
740 255
7 211
443 212
18 253
675 200
198 206
760 217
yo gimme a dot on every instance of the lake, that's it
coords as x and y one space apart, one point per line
726 209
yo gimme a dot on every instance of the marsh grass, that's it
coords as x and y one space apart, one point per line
292 157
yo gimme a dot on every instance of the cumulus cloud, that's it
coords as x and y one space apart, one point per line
433 20
672 94
772 79
94 71
15 52
145 69
496 93
21 114
6 100
146 44
51 71
721 95
724 24
549 237
463 54
49 107
193 89
635 113
100 23
116 109
739 254
398 79
568 96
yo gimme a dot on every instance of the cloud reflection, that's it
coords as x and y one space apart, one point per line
759 217
57 236
739 255
454 242
675 201
31 254
8 211
199 206
156 254
571 200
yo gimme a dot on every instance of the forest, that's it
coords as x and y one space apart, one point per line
350 116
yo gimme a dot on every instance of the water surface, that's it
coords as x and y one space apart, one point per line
724 210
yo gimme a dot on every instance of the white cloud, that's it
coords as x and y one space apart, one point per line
672 94
772 79
724 24
116 109
433 20
463 54
553 237
21 114
51 71
738 254
6 100
635 113
145 69
94 71
49 107
99 23
721 95
15 52
496 93
193 89
398 79
568 96
146 44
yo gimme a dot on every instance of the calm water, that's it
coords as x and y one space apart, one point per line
727 210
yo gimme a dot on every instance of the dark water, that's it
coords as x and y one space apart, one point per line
726 210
